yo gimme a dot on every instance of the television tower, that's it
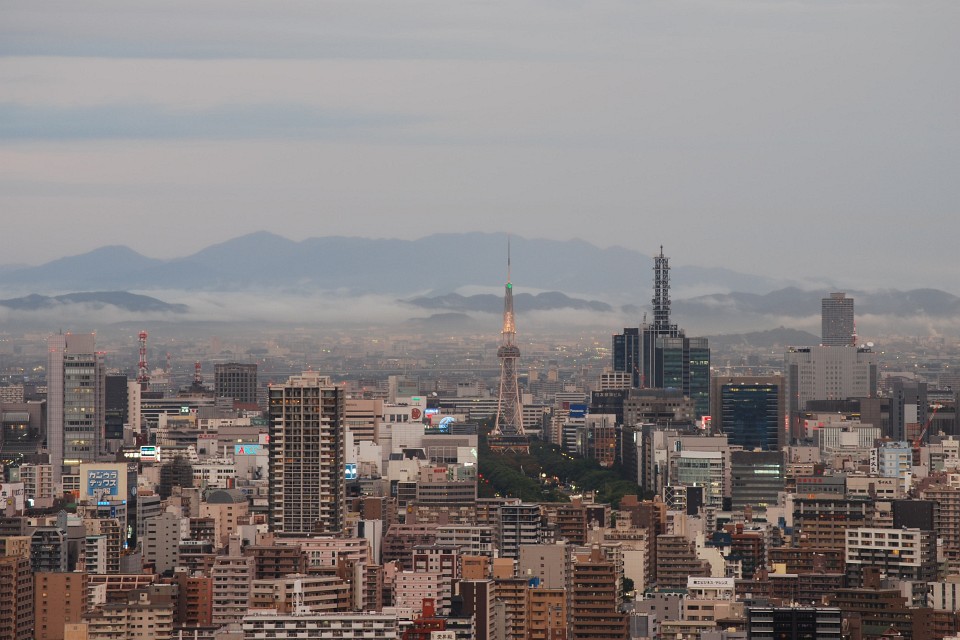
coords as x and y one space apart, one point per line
143 377
508 433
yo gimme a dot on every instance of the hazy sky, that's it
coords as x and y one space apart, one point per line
817 138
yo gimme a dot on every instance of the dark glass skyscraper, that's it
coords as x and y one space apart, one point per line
684 363
659 355
626 353
750 414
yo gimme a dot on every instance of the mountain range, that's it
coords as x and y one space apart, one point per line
436 264
446 274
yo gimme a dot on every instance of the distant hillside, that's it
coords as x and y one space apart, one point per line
95 300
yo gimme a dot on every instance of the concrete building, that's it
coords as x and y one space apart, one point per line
594 599
144 616
519 524
16 598
75 402
826 373
161 542
794 623
307 455
59 599
323 626
232 576
836 321
908 554
758 478
237 381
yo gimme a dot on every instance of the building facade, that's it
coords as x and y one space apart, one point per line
307 455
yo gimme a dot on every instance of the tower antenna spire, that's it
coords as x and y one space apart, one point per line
508 432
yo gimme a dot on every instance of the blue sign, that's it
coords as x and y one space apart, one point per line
105 482
351 471
578 410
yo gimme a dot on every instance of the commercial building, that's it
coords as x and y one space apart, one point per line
757 478
836 321
826 373
237 381
76 401
750 411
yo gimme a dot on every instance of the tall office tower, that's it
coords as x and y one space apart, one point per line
661 326
508 432
115 408
659 355
237 381
836 321
749 410
307 455
626 354
826 373
75 401
684 363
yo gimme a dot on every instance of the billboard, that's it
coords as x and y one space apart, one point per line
149 454
248 450
351 471
103 480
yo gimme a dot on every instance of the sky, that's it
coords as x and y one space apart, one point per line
793 139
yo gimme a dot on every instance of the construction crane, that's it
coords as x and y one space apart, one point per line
923 432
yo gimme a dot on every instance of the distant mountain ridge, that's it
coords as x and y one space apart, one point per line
96 300
435 273
438 264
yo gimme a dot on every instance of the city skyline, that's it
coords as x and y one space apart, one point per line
734 130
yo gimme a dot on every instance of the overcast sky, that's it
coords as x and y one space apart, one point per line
794 139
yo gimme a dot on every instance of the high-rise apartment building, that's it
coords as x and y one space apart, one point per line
519 525
594 599
60 598
307 455
836 319
237 381
75 401
16 598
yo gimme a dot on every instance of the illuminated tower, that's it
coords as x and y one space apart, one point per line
508 430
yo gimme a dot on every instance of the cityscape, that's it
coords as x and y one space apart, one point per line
459 487
433 320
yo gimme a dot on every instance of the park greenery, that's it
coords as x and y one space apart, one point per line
548 474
